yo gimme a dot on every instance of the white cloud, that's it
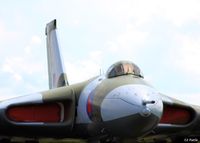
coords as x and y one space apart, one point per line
35 40
80 71
21 64
24 74
186 56
180 11
74 22
130 40
177 12
96 56
6 35
131 35
84 69
8 68
17 77
124 10
28 49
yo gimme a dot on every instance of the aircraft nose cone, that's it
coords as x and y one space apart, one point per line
136 108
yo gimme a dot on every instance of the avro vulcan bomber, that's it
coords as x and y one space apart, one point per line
118 106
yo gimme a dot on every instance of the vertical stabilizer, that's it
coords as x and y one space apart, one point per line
57 75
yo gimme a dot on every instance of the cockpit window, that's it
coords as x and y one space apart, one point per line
124 68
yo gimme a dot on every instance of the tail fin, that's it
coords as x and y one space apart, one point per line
57 76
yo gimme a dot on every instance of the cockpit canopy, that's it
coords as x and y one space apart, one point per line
124 68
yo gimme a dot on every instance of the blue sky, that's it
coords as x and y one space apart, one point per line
161 37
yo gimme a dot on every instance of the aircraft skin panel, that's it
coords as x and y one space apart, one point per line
110 109
57 75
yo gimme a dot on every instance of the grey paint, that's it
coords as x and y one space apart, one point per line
82 116
128 100
112 109
57 75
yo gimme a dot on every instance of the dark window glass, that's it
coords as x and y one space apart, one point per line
123 68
